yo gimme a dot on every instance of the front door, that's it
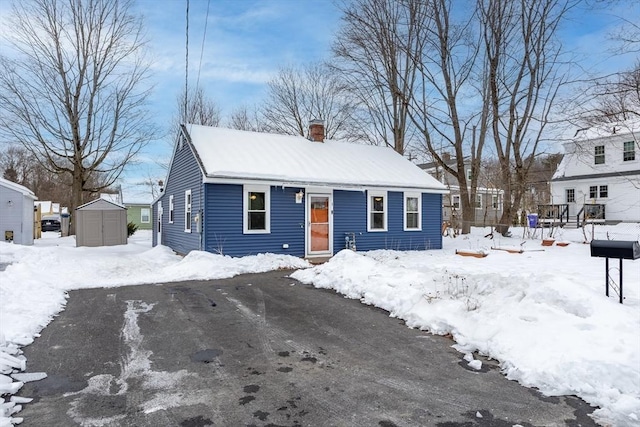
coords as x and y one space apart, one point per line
319 223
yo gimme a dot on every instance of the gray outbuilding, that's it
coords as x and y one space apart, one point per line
101 223
16 213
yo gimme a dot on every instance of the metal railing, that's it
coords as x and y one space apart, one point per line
553 213
590 213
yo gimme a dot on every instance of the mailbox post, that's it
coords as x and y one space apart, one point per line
620 249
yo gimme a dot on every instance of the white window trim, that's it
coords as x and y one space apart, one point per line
455 197
404 211
246 189
142 215
171 211
478 198
370 195
497 206
188 210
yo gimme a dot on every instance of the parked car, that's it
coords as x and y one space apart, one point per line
50 223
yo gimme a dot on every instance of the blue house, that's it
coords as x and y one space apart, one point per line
239 193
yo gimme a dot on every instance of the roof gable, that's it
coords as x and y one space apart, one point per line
229 154
100 204
17 187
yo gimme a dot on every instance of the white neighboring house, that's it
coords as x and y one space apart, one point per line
16 213
599 176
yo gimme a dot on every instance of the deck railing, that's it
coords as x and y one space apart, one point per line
553 213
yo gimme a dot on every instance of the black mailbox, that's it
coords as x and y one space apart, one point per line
621 249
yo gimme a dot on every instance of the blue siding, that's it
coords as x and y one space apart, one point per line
223 223
350 215
184 174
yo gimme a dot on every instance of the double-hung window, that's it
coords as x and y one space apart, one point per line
256 209
629 151
478 201
593 191
145 215
496 202
455 201
599 155
604 191
171 209
412 217
187 211
377 211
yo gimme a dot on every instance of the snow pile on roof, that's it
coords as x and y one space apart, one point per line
608 130
17 187
235 154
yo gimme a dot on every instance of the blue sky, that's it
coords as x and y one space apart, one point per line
247 41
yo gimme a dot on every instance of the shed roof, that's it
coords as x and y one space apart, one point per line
101 204
234 155
17 187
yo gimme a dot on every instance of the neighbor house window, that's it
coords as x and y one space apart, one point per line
495 202
593 191
599 154
455 201
171 209
478 201
604 191
377 210
629 151
412 212
256 207
570 195
469 175
145 215
187 211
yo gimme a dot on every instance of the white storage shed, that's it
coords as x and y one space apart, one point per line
16 213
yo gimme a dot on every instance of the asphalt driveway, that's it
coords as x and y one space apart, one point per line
262 350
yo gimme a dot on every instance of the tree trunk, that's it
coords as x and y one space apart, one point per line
76 199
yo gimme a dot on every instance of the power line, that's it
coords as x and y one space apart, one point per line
204 36
186 66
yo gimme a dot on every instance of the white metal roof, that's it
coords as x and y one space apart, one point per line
232 155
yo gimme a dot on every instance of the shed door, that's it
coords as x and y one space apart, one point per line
92 228
319 225
112 228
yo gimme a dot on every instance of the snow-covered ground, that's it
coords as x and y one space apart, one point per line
542 313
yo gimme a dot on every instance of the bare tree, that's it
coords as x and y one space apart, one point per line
197 109
375 51
447 68
73 91
297 95
19 165
243 119
523 78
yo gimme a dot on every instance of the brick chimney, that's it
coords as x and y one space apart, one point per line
316 130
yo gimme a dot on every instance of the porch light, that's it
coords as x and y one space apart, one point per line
299 196
10 203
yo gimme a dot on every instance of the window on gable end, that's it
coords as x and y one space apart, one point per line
187 211
599 154
171 209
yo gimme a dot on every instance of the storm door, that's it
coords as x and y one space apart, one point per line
319 224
